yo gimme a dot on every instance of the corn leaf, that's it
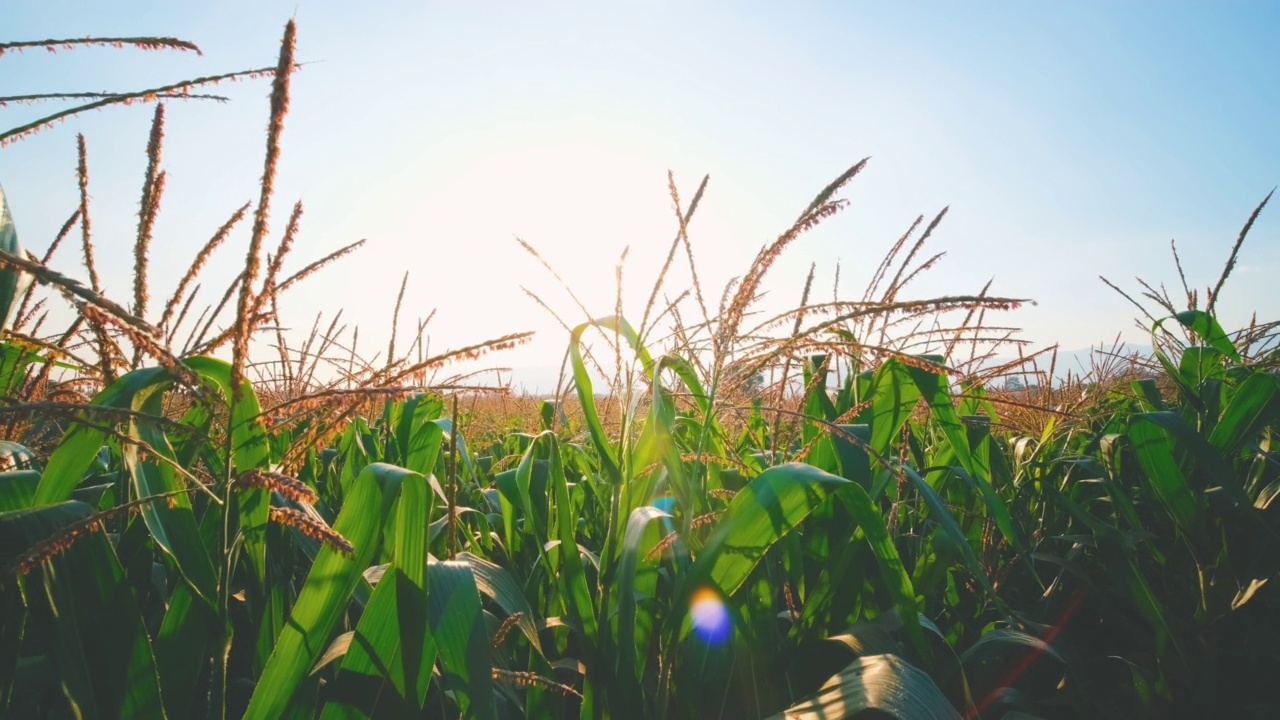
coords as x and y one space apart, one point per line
387 667
759 514
457 623
876 682
102 652
327 590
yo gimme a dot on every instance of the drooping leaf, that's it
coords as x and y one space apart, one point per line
759 514
457 623
1207 328
497 583
18 489
582 381
876 682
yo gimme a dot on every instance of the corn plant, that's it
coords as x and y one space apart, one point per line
817 514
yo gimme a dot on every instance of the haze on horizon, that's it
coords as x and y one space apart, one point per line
1069 140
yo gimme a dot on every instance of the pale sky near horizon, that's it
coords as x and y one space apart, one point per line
1069 139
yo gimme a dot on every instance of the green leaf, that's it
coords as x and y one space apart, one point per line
327 590
934 388
582 381
387 668
18 489
383 672
876 682
1123 570
572 576
1208 460
630 653
15 363
951 530
424 448
1154 450
79 446
249 450
101 648
497 583
891 402
851 449
530 480
173 523
457 623
759 514
1253 405
895 576
182 650
987 647
172 528
1207 328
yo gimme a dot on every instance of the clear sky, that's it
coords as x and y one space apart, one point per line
1069 138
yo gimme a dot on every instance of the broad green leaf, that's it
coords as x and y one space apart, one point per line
895 576
630 654
934 388
424 448
572 576
1253 405
851 447
1154 450
876 682
1207 328
182 649
387 668
1208 459
891 402
457 623
327 590
101 651
416 414
531 490
381 674
765 510
497 583
18 489
173 528
951 530
250 449
79 446
172 523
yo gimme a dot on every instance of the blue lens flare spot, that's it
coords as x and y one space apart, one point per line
710 617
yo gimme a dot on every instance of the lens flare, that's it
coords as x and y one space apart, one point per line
710 617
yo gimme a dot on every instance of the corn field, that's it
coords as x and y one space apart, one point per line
842 510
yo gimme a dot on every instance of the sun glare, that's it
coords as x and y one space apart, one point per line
710 617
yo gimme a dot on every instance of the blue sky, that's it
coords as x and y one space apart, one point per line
1069 139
